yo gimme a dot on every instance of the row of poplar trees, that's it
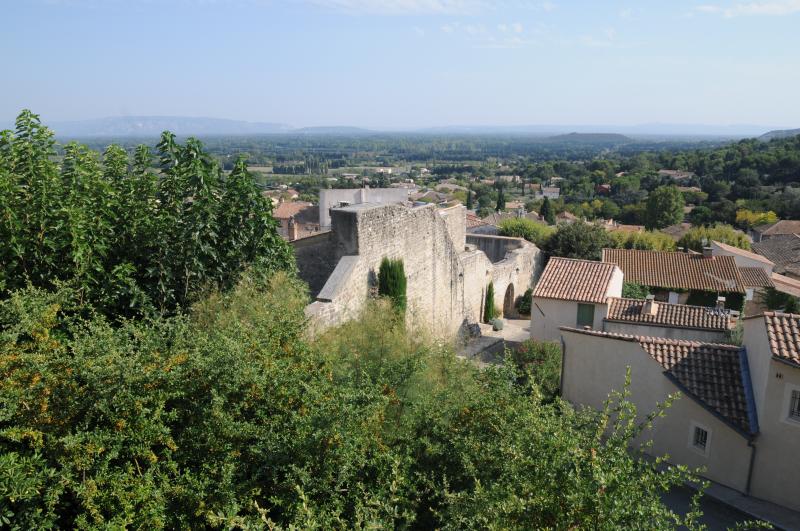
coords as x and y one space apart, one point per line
131 233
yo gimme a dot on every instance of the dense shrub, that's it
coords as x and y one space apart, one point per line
540 362
698 236
632 290
524 303
578 240
647 240
229 418
536 233
489 310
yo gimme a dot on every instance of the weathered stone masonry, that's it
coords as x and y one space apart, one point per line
447 277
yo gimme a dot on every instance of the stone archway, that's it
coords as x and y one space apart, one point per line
508 302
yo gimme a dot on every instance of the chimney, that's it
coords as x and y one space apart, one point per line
720 303
650 306
292 229
708 252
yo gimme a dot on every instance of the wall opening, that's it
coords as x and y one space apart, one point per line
508 302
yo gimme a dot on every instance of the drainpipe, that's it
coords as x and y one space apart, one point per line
752 446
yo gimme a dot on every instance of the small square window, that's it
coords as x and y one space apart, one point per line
700 438
794 406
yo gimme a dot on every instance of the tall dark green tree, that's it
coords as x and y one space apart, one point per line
392 282
489 311
501 198
469 199
547 212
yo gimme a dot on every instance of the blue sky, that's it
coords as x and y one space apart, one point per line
405 63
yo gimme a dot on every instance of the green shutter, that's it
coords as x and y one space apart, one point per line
585 315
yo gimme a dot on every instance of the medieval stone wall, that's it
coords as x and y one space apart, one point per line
447 279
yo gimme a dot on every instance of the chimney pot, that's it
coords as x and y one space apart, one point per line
720 303
650 307
708 252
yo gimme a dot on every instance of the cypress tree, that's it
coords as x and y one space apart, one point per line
501 199
547 212
488 306
392 282
469 199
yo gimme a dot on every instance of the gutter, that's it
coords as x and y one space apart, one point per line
752 446
563 359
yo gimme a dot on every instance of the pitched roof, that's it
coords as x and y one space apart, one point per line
786 284
756 277
783 333
575 280
784 226
675 270
741 252
474 221
289 209
783 250
710 373
670 315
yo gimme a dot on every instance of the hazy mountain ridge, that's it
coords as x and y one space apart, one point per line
148 126
779 133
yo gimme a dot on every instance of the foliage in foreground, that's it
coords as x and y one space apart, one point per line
228 417
129 234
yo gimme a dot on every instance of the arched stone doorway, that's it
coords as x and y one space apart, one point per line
508 302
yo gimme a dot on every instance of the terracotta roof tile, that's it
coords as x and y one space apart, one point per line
784 251
784 226
575 280
287 209
474 221
671 315
741 252
756 277
783 331
675 270
710 373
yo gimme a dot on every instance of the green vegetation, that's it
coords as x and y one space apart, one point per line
537 233
489 310
392 283
632 290
664 207
776 300
578 240
127 237
525 302
648 240
540 363
697 237
547 212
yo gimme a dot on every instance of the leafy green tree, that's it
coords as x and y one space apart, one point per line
534 232
578 240
547 212
698 237
664 207
489 310
392 282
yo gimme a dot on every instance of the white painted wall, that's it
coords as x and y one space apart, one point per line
593 366
331 197
548 315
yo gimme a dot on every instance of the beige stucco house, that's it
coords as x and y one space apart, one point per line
572 293
709 426
772 341
739 412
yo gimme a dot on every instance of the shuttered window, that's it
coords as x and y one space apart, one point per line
585 315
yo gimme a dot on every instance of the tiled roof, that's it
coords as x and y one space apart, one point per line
710 373
474 221
786 284
755 277
288 209
784 226
575 280
783 332
671 315
741 252
783 250
675 270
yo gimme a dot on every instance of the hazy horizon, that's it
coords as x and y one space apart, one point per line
407 64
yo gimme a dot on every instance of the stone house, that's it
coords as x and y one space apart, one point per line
297 219
447 271
572 293
682 278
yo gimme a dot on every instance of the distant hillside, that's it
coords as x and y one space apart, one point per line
591 138
332 130
149 126
779 133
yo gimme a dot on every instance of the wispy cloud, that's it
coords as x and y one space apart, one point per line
606 39
503 35
403 7
742 9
